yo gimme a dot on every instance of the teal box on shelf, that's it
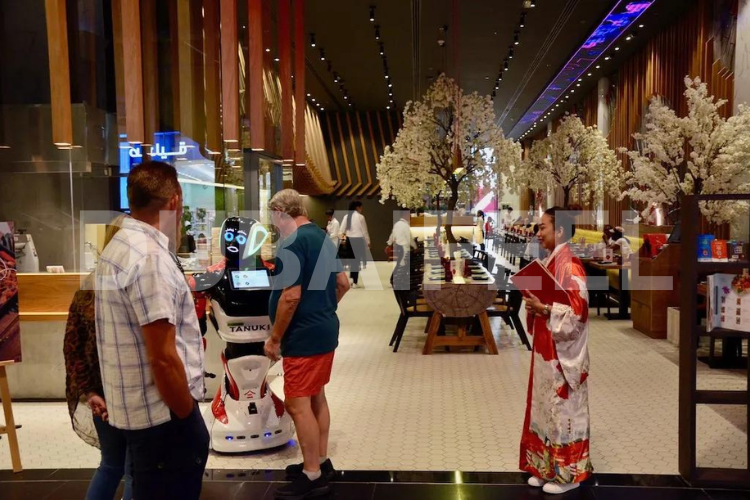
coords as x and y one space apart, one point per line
704 247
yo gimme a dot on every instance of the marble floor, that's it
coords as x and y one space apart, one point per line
459 411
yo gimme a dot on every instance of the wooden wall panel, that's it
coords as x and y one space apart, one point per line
354 143
299 82
255 103
285 75
230 78
132 70
212 60
59 72
150 69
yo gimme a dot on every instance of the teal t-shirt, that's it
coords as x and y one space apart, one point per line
307 257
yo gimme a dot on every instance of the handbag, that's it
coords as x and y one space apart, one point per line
345 249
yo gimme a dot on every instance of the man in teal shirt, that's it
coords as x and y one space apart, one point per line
308 284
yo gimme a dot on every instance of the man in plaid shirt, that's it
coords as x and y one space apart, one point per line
149 342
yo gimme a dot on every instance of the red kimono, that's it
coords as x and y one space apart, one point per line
555 438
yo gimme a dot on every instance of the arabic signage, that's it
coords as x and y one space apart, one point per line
10 326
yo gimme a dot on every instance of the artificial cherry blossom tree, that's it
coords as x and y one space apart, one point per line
701 153
448 141
574 156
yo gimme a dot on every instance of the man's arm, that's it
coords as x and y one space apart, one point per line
342 286
288 303
167 367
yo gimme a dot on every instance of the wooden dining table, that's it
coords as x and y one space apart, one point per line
463 298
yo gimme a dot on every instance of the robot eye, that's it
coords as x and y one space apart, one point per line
241 239
228 236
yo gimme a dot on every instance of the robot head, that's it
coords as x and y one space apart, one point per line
241 239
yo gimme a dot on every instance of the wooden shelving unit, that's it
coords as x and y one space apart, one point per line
691 273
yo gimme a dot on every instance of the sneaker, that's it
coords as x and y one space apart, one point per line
559 489
302 488
355 285
326 469
536 482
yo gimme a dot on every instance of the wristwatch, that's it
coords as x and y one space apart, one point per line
546 310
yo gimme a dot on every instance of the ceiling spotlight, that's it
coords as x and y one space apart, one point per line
505 67
629 37
607 58
322 55
372 13
497 87
382 50
312 39
276 59
510 53
598 67
346 97
268 50
377 32
387 77
590 74
322 109
617 48
578 84
308 94
522 24
640 25
387 107
390 85
516 38
313 99
580 79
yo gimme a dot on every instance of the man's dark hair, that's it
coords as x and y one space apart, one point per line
329 212
151 185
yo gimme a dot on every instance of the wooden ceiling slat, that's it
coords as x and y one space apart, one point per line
357 170
230 78
344 187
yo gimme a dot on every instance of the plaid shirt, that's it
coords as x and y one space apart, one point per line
137 283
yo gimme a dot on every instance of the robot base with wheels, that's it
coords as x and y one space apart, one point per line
245 415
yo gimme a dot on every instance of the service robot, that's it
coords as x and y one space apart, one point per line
245 414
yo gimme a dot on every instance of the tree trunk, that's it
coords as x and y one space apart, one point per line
452 202
566 197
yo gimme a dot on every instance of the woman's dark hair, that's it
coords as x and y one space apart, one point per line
329 212
480 214
617 234
536 228
564 218
353 206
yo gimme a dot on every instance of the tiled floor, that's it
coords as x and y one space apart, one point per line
459 411
261 485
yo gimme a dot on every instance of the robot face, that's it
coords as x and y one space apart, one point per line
241 238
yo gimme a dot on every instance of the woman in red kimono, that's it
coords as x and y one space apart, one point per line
555 439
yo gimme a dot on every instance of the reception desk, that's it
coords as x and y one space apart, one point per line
43 301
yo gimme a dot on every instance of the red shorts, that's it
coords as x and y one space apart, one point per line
305 376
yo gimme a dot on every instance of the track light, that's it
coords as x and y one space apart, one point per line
377 32
510 53
532 4
382 50
322 55
523 20
312 39
372 13
607 58
505 67
516 38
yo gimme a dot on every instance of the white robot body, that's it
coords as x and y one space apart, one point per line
245 415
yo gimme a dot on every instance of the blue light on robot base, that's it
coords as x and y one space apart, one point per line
268 434
229 438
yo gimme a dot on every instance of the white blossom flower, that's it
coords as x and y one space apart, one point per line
443 147
701 153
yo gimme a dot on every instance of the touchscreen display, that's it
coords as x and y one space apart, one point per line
244 280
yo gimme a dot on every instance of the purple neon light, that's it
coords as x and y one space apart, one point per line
623 15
